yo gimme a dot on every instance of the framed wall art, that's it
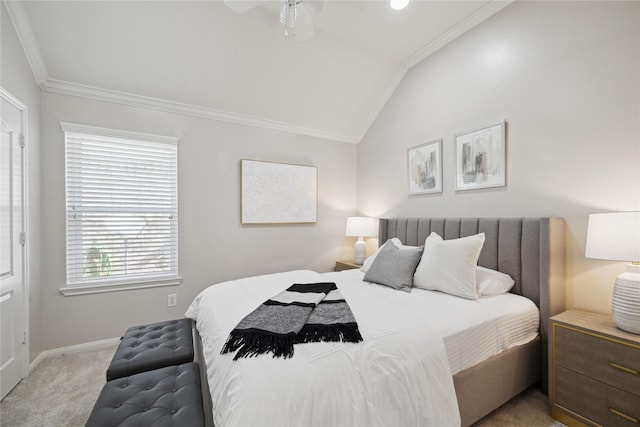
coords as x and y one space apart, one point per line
424 166
278 193
480 156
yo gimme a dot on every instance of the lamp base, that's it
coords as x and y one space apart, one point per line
360 252
625 304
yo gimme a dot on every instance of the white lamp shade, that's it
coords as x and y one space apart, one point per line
304 24
360 226
614 236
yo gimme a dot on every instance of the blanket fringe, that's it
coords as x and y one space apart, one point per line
250 344
345 332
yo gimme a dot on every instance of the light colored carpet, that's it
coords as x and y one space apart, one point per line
62 389
531 409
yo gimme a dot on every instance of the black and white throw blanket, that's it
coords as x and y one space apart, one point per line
304 312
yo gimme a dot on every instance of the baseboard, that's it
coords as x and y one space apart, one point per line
72 349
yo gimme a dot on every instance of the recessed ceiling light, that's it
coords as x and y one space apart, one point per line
398 4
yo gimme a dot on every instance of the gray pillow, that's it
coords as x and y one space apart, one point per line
394 267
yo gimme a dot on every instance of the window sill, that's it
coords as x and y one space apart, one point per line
70 291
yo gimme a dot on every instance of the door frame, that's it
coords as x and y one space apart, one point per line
11 99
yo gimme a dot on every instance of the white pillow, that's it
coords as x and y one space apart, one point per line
366 265
491 282
450 265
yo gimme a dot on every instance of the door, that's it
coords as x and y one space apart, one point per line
13 349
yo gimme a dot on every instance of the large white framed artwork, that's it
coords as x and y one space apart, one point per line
278 193
481 157
424 166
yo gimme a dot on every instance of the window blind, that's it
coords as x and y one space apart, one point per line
121 206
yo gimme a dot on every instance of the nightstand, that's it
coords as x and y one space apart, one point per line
595 371
346 265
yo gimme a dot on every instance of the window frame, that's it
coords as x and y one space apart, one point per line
120 283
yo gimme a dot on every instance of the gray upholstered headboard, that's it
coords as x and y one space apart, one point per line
530 250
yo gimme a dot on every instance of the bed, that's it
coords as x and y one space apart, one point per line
395 353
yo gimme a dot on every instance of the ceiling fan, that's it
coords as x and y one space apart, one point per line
295 15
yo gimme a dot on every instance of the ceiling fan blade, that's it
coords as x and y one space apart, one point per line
304 24
314 6
241 6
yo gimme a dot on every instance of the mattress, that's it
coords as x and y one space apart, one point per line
472 330
399 374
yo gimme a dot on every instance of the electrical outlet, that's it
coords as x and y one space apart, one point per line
172 300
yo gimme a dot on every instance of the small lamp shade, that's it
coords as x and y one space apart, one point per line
616 236
360 227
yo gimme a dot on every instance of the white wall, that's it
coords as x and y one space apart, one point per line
213 245
566 77
17 78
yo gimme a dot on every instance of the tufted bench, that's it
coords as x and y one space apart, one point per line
164 397
147 347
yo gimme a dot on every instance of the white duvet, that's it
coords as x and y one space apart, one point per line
400 375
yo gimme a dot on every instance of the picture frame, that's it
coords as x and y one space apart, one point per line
424 168
480 157
278 193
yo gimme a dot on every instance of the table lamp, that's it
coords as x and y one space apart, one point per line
360 227
616 236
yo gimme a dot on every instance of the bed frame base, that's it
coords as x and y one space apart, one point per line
204 380
490 384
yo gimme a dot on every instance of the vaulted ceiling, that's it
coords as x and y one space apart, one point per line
203 59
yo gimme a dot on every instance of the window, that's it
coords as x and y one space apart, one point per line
121 210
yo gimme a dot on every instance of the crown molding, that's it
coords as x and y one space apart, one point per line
480 15
20 20
486 11
123 98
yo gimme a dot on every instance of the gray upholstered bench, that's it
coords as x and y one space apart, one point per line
164 397
147 347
